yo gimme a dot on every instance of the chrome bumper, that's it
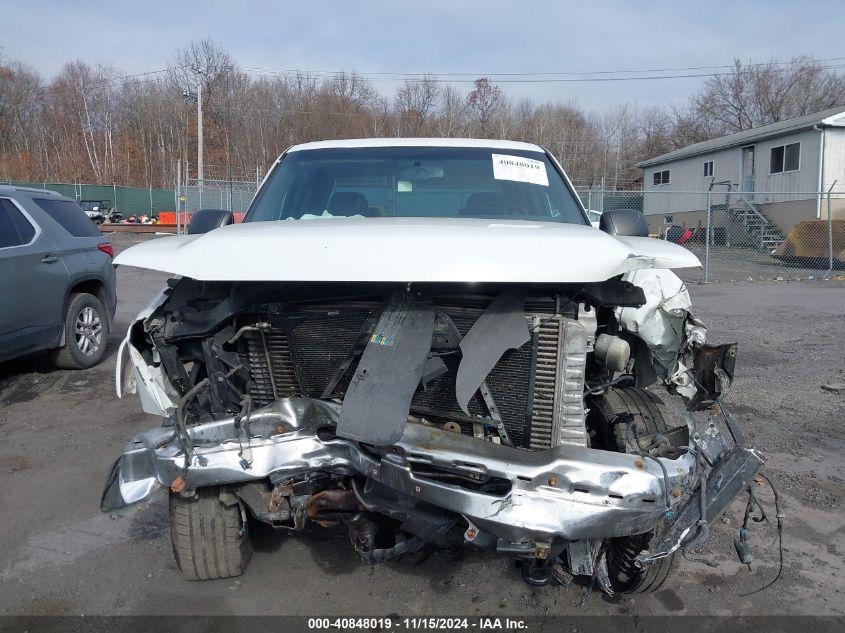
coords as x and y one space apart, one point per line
566 492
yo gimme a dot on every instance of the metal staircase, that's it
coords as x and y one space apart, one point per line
762 232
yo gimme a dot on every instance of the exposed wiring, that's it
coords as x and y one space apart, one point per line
703 533
185 441
644 452
749 509
704 527
779 517
741 544
607 385
657 439
243 420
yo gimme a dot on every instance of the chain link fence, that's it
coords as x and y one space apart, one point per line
219 188
738 236
230 195
742 236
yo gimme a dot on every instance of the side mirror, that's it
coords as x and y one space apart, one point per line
207 220
627 222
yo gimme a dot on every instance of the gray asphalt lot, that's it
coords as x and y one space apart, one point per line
62 430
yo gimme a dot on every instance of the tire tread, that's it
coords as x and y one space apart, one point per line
206 536
67 357
649 410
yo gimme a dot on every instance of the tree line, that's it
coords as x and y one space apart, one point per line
92 124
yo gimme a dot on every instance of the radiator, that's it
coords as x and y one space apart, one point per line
537 388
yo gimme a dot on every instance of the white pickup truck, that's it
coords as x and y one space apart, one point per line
426 341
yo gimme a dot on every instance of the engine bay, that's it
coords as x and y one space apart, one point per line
512 417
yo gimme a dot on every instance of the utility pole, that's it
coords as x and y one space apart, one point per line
178 195
197 96
200 175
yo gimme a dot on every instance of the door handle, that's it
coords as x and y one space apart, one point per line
49 259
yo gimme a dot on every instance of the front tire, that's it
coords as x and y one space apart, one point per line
86 326
210 540
648 412
650 415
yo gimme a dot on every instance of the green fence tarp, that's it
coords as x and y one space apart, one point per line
127 200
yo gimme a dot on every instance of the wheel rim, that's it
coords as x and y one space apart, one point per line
89 331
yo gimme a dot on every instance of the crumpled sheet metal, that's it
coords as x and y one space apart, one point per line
664 322
150 383
568 491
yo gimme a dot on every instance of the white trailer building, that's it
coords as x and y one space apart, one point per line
763 180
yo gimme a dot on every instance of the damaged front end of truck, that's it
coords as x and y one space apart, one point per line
517 417
424 342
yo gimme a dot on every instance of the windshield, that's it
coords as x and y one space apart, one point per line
419 182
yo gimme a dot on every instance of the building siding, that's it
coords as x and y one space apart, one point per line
806 179
687 176
834 158
688 180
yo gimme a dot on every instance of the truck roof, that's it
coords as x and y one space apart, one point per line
418 142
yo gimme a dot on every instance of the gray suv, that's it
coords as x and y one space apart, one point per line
57 282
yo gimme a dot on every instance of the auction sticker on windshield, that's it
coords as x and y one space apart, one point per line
519 169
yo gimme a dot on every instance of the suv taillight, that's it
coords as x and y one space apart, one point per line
107 248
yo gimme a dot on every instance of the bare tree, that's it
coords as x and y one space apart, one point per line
204 61
20 103
90 123
655 132
450 115
415 101
758 94
485 102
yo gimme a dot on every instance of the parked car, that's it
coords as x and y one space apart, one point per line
426 341
56 279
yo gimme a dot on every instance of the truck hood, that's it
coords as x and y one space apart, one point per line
405 250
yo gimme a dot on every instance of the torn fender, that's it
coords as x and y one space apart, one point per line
133 374
152 386
660 322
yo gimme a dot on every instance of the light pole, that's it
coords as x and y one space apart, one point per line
197 97
199 130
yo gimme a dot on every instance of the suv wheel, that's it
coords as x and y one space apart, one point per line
86 333
650 414
210 540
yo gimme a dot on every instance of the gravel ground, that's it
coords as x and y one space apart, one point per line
62 430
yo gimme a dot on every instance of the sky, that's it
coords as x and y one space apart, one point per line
457 36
